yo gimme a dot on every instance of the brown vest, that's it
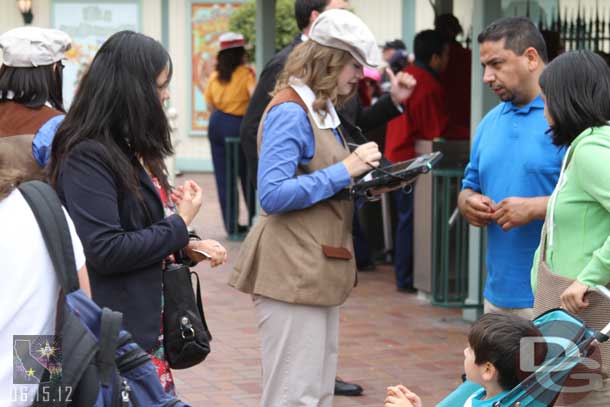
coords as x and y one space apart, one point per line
303 256
18 126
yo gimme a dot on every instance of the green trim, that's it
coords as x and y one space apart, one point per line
193 164
265 26
408 23
189 64
165 23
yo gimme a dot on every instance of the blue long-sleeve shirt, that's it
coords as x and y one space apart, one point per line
287 142
41 145
512 155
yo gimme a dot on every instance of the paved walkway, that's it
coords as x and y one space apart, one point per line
387 337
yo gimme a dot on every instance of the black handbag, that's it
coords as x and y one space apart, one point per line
186 336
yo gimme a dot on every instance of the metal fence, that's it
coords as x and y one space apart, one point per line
449 243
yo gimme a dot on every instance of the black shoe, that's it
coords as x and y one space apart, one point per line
367 267
408 289
347 389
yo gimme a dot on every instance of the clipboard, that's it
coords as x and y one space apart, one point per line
394 175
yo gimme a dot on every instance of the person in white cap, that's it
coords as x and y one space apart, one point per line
298 259
227 95
31 102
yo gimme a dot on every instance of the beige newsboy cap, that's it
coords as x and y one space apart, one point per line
342 29
27 47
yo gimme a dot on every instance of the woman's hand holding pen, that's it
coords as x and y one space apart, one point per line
363 159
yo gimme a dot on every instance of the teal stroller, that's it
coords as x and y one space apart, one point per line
570 342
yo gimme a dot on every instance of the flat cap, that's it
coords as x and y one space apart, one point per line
342 29
27 47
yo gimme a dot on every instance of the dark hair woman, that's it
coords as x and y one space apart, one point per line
31 102
574 252
227 95
107 166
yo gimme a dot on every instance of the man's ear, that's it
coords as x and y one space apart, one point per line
533 58
435 61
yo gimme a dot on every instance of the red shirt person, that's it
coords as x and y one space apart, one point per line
426 112
426 117
456 78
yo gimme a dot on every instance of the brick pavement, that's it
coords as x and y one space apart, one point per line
386 337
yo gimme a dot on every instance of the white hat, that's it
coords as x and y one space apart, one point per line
230 40
342 29
27 47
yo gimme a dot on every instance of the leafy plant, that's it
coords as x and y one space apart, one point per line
244 21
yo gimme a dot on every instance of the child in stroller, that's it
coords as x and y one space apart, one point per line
491 360
513 362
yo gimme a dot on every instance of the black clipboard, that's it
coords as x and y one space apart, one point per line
394 175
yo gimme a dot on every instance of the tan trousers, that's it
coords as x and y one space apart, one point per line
527 313
299 353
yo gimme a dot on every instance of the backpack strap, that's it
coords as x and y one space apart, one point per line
49 214
110 326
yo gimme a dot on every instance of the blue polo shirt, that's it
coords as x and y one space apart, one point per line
512 156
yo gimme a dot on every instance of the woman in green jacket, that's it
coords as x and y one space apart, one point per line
574 253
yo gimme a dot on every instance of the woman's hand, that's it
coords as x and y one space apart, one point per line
218 254
573 298
363 159
188 199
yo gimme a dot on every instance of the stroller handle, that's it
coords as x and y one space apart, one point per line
604 292
601 290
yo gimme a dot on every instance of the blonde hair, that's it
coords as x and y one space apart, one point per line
318 67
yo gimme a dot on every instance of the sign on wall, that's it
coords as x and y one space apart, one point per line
90 23
208 21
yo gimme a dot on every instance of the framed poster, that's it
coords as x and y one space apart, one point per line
89 23
207 20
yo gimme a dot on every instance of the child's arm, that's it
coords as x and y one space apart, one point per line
400 396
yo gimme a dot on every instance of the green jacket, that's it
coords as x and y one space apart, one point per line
581 235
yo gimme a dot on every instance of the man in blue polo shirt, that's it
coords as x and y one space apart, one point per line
513 164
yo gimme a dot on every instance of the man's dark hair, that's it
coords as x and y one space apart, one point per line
227 62
33 87
448 25
519 33
576 86
117 105
303 9
395 44
428 43
496 338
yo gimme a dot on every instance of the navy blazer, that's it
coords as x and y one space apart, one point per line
125 238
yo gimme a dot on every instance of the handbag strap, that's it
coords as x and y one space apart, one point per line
200 305
49 214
